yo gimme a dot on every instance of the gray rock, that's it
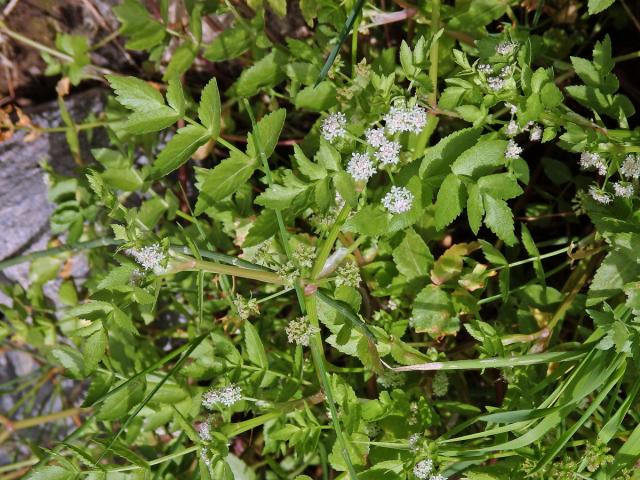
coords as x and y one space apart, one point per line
24 206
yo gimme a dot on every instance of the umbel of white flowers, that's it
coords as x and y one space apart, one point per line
398 200
150 257
300 331
226 396
360 167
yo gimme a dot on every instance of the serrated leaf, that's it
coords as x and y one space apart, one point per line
475 207
309 169
500 185
450 201
412 257
346 188
269 128
619 267
179 149
597 6
135 94
148 121
117 404
279 197
224 179
255 349
175 95
266 72
492 254
117 277
370 220
209 108
317 98
51 472
265 227
532 249
230 43
70 359
499 219
480 159
437 159
93 349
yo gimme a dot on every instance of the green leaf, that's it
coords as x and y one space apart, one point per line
70 359
279 197
230 43
179 149
143 32
181 60
265 227
175 95
51 472
346 188
116 405
224 179
438 158
370 220
266 72
317 98
433 313
209 108
475 207
597 6
309 169
117 277
93 349
500 185
255 349
135 94
152 120
532 249
269 128
450 201
480 159
412 257
620 266
499 219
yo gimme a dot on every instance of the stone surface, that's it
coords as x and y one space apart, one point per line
24 206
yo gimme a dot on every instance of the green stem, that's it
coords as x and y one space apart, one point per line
317 353
327 245
308 306
184 263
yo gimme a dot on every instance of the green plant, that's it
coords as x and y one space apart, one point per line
320 303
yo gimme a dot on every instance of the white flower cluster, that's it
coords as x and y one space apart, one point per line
348 275
485 68
423 468
334 126
404 119
599 195
226 396
496 83
506 48
388 153
513 150
305 255
360 167
592 160
536 133
300 331
398 200
246 307
624 190
150 257
630 168
204 430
